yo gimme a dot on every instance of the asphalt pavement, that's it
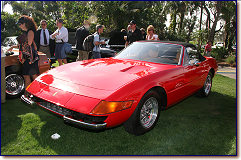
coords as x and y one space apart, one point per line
227 71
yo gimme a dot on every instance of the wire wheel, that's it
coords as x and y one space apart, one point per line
14 84
149 112
208 84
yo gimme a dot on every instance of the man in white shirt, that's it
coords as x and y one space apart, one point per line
43 41
61 37
97 42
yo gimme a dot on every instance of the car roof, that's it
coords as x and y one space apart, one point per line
185 44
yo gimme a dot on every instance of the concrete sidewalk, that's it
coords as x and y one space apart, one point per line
227 71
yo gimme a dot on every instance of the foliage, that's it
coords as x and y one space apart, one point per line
231 60
219 53
8 25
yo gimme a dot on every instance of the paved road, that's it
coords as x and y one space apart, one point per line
227 71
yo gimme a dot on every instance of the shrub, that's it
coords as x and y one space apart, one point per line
219 53
231 60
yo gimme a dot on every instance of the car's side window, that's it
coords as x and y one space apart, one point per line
186 60
192 54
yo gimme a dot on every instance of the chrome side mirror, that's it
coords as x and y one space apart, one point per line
196 63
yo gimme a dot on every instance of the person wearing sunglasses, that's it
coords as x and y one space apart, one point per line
43 41
150 33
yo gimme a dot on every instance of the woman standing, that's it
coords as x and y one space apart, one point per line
28 55
150 33
60 36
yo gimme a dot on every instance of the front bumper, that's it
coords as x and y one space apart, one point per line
67 114
84 124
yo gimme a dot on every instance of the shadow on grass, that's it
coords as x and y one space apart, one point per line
10 120
196 126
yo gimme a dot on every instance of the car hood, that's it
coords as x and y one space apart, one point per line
106 75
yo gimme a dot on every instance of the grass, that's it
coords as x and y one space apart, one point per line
196 126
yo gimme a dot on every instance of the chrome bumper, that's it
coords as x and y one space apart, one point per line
27 100
70 120
84 124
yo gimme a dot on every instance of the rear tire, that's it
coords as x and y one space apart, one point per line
146 114
14 85
206 89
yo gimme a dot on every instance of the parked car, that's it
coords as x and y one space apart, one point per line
13 68
104 51
218 45
130 88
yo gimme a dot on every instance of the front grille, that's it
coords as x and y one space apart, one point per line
67 112
55 108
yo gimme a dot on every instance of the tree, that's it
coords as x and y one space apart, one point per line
229 16
8 25
218 6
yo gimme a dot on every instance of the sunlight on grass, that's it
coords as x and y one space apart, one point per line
26 142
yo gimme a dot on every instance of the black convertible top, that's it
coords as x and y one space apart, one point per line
185 44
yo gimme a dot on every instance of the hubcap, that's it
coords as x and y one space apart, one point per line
208 85
14 84
149 112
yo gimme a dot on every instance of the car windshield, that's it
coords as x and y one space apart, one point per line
152 52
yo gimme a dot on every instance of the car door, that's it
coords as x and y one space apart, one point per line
193 70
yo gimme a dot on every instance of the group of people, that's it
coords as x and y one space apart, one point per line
33 40
132 34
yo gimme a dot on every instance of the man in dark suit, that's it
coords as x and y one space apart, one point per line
133 35
43 41
80 35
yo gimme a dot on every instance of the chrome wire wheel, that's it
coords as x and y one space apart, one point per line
208 84
149 112
14 84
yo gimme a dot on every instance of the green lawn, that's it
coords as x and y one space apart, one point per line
196 126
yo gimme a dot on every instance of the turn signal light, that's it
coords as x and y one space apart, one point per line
105 107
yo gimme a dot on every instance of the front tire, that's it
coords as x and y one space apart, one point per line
14 85
145 115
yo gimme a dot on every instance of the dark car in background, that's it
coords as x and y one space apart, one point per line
113 45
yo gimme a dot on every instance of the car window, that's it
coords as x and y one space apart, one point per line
153 52
186 60
192 56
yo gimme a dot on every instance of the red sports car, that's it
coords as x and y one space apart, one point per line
130 88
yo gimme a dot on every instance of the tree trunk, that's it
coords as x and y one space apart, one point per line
227 31
217 15
208 20
200 26
182 11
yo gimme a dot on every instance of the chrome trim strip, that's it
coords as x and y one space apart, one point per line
84 124
27 100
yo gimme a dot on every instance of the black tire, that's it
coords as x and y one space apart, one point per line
206 89
15 85
143 119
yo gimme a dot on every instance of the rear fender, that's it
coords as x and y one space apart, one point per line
13 69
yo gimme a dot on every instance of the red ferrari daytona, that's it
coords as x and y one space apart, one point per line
130 88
